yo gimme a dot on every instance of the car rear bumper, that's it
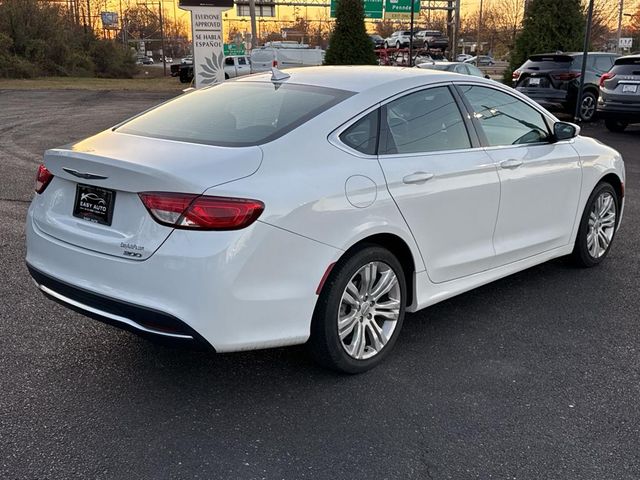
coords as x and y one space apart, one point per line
619 111
236 290
547 97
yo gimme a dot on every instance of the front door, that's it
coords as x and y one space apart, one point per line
540 179
446 187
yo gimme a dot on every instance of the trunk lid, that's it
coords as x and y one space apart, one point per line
110 170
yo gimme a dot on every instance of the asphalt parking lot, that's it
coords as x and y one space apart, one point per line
536 376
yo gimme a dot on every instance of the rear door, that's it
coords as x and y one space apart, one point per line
540 180
243 66
446 187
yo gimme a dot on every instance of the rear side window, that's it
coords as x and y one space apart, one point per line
602 63
235 114
363 135
504 119
424 121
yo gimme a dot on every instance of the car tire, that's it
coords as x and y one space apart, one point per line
354 326
588 106
597 226
615 125
386 45
398 45
226 76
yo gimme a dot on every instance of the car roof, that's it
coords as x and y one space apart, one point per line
353 78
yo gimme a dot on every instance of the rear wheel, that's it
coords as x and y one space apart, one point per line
360 311
597 227
588 106
615 125
397 44
386 44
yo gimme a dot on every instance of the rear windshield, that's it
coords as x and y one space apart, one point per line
235 114
627 66
550 62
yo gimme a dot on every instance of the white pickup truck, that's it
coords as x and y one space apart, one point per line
236 66
285 55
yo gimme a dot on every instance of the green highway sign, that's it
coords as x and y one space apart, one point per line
400 8
372 8
233 49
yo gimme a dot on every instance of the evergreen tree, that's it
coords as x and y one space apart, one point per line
548 26
349 43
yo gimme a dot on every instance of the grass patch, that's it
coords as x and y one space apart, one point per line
140 83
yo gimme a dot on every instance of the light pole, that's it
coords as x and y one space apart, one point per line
411 36
587 36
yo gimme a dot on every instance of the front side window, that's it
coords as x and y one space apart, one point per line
242 61
504 119
228 61
424 121
235 114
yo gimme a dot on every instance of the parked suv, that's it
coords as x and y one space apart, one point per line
399 39
619 101
553 80
431 39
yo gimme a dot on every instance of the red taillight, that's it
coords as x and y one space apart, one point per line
200 212
566 76
43 178
274 64
515 75
605 77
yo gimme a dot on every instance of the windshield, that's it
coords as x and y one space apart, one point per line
235 114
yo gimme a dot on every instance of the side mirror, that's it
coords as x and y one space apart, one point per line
565 130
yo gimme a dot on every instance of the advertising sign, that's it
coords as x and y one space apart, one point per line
400 9
372 8
109 20
208 44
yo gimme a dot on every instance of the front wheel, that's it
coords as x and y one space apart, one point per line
360 311
597 227
588 106
397 44
615 125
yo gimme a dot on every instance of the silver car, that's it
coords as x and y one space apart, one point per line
619 99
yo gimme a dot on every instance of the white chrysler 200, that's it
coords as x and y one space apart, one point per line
315 206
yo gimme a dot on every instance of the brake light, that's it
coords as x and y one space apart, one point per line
201 212
566 76
274 64
516 75
605 77
43 178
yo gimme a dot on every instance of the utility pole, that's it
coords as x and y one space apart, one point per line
254 29
478 40
587 37
620 13
164 56
411 36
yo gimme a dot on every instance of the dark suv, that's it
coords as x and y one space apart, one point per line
553 80
431 39
619 102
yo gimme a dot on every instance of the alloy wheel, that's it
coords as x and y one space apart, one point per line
602 225
587 107
369 310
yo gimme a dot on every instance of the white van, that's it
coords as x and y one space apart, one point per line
282 55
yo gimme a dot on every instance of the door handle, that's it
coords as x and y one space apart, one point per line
418 177
513 163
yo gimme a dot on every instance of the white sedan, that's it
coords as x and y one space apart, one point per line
316 206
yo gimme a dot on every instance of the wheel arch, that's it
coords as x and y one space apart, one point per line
616 183
400 249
